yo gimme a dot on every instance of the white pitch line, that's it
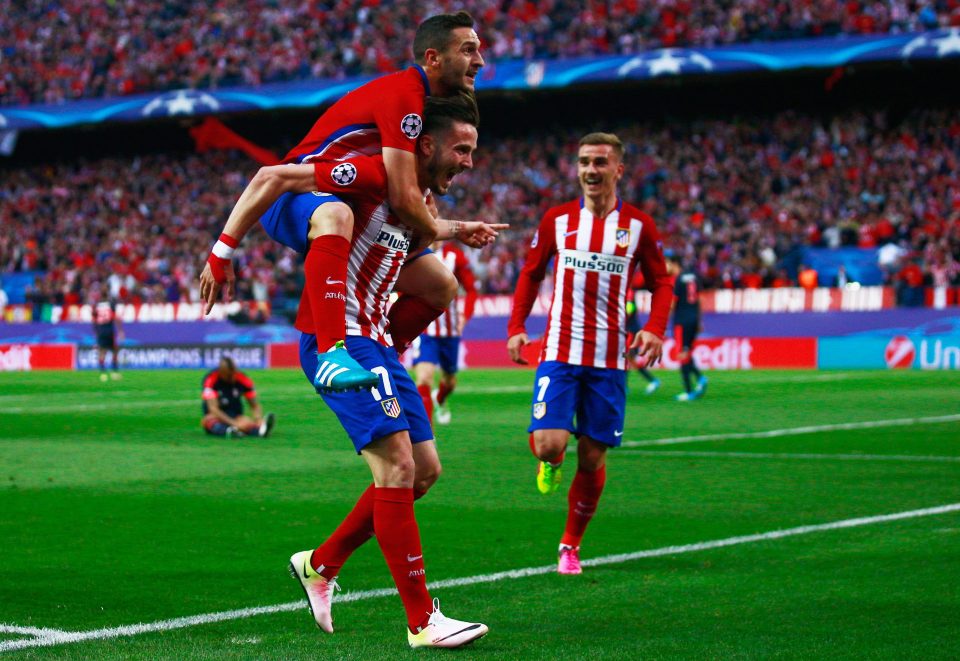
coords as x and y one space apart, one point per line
786 455
195 620
796 431
30 631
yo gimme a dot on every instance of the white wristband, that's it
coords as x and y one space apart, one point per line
222 250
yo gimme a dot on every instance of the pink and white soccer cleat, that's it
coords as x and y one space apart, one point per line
569 561
317 588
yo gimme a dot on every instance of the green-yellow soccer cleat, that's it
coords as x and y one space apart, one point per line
338 372
548 478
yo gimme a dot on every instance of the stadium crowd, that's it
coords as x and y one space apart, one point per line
53 51
737 198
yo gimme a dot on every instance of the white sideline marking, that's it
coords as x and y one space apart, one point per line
29 631
785 455
796 431
59 638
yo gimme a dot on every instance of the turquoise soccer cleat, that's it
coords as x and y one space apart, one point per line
338 372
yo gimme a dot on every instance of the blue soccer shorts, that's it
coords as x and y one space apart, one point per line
287 221
442 351
595 396
366 415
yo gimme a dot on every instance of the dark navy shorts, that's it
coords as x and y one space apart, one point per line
106 339
442 351
595 396
394 405
287 221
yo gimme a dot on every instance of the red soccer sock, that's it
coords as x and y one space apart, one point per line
582 502
409 317
350 535
424 391
399 539
443 391
325 275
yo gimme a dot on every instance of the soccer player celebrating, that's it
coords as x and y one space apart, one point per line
383 116
109 332
440 344
599 241
387 424
686 326
223 407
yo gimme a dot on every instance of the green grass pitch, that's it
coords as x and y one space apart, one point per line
116 510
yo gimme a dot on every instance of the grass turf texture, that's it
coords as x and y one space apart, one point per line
116 509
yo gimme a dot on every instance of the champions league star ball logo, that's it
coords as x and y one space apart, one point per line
181 102
343 174
411 125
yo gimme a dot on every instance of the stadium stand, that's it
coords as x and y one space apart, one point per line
63 50
741 197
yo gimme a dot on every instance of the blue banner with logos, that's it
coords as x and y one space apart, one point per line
509 75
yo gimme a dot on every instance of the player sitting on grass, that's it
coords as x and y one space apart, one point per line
223 408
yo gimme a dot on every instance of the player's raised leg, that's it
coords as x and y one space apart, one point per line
325 282
428 287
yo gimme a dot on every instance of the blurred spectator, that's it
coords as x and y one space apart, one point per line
738 198
52 51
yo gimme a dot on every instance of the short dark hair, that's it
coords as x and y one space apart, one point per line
435 32
439 113
599 138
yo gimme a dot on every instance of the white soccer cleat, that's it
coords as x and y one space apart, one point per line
104 377
442 631
652 387
318 589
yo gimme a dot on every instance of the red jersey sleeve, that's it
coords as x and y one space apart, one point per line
399 114
209 386
358 176
542 248
465 276
655 278
246 384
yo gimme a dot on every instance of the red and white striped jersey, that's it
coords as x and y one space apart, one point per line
595 261
449 323
378 250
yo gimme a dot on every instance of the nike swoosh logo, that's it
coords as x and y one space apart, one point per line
334 282
571 232
618 434
305 575
413 558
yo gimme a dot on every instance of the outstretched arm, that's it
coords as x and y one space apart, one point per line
263 190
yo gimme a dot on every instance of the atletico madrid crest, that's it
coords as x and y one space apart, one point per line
539 409
623 237
391 407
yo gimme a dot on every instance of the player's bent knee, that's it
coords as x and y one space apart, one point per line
549 444
332 218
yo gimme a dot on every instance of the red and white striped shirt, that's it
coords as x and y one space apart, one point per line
595 261
378 250
449 323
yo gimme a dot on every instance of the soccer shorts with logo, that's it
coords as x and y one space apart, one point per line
595 396
366 415
287 221
442 351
